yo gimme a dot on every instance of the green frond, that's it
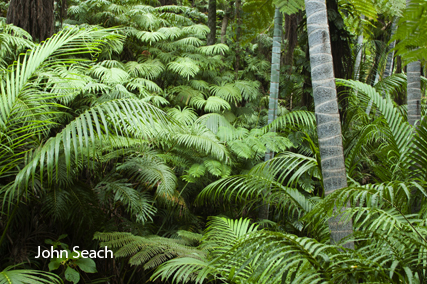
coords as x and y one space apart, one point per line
184 270
197 30
143 84
203 140
136 203
251 187
217 169
27 276
197 170
401 133
289 7
215 104
199 85
213 121
94 124
184 67
151 37
150 171
170 33
149 68
293 119
214 49
184 43
228 92
185 115
150 251
187 94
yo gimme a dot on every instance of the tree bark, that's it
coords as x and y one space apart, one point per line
390 56
414 92
326 110
413 89
211 22
291 36
341 52
359 53
224 27
34 16
400 96
237 65
274 89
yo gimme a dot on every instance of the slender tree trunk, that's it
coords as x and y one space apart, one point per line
224 27
211 22
306 97
34 16
341 51
291 36
400 96
238 20
274 89
359 53
413 89
390 56
389 64
414 92
326 109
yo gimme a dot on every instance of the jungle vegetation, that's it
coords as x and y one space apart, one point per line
246 141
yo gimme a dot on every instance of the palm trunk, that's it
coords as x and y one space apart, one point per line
274 88
389 64
414 92
238 20
224 27
211 22
326 109
413 89
359 53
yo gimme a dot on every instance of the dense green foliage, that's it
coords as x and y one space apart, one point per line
124 129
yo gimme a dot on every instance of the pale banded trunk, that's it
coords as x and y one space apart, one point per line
275 66
326 109
359 53
413 92
274 88
389 64
413 89
239 22
224 27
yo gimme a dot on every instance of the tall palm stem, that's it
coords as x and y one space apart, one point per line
414 92
326 109
413 89
274 88
359 53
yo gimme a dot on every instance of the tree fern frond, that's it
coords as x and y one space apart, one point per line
184 67
213 121
185 115
214 49
227 92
